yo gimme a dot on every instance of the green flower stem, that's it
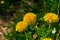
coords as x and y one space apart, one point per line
48 31
26 35
49 26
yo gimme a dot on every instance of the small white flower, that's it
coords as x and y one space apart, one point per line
53 31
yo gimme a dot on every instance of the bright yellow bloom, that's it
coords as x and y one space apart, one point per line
21 26
51 17
47 39
30 18
2 2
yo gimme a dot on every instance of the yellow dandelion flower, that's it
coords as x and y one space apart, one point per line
2 2
47 39
30 18
51 17
21 26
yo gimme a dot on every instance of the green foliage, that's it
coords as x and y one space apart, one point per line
39 7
